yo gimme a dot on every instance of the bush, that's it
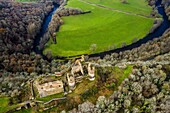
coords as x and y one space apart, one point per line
89 92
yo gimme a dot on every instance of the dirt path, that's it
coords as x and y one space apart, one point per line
112 9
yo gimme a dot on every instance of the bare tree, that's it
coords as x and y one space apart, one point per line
93 48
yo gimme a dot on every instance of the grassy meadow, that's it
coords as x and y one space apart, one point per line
4 105
102 29
133 6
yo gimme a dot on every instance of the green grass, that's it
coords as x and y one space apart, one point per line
121 75
3 104
116 73
29 110
86 84
107 29
4 101
48 98
4 107
133 6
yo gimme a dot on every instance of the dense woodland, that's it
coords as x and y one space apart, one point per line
19 25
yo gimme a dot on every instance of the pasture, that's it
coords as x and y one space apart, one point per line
105 28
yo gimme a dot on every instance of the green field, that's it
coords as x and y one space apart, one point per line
4 105
134 6
102 29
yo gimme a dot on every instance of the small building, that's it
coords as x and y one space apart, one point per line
50 88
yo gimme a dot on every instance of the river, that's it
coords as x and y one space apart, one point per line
157 33
43 30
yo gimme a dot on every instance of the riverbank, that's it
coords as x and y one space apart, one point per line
44 30
158 29
95 37
19 27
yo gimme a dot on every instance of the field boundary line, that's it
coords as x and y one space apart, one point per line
112 9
